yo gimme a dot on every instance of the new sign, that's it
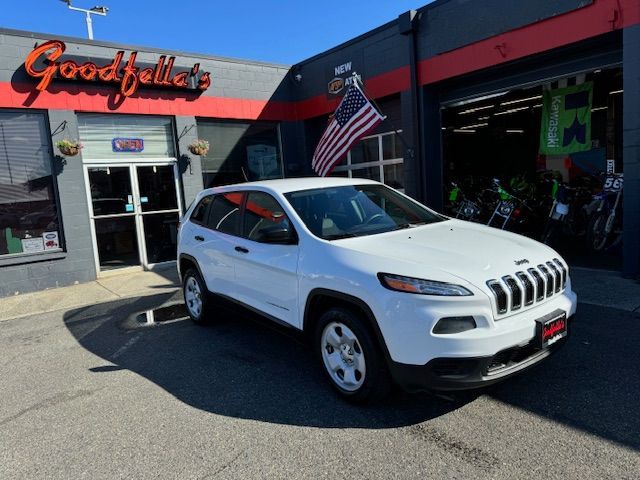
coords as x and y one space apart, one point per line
341 77
566 120
43 63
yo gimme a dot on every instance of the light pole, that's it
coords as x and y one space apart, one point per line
92 11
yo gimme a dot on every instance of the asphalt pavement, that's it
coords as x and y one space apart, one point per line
101 392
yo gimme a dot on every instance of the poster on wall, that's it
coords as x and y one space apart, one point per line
51 240
262 161
566 120
32 245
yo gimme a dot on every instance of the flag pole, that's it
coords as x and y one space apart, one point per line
359 84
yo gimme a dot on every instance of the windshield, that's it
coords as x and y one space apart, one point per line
356 210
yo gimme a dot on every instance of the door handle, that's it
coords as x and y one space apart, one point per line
199 238
242 249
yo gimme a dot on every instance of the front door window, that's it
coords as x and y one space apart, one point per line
158 202
114 217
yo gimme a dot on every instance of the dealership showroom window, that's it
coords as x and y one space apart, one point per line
500 136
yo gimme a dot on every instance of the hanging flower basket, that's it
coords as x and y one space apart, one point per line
69 148
199 147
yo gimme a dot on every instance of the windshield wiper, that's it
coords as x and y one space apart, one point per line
338 236
403 226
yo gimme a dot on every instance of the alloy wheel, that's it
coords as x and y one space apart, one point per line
193 297
343 356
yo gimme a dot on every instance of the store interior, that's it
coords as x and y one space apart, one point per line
491 153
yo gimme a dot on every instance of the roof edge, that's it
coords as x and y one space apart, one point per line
107 44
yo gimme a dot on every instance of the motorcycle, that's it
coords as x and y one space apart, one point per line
509 210
605 227
567 215
460 206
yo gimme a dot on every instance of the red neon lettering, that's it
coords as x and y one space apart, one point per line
132 76
47 73
204 82
145 76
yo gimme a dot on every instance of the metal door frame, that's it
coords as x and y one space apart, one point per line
137 213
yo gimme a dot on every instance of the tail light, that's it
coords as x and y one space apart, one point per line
517 212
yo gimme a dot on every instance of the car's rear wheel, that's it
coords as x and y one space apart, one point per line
351 357
195 297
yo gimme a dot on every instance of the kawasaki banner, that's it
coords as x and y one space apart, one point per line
566 120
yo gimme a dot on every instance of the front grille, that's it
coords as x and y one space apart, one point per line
524 289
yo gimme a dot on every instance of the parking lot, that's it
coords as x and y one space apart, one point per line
95 393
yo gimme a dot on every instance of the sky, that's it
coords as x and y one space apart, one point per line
277 31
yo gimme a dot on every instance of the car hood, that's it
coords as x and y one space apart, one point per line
473 252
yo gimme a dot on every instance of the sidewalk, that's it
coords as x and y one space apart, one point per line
596 287
100 291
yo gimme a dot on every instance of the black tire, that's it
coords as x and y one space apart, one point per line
201 316
596 237
377 383
550 230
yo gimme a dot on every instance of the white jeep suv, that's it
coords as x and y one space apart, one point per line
387 289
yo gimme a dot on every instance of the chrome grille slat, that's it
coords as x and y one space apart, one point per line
563 271
516 292
529 292
557 276
549 279
500 295
523 289
539 284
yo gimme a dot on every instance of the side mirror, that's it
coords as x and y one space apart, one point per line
277 234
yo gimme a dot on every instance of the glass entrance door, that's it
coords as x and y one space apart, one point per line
159 212
135 211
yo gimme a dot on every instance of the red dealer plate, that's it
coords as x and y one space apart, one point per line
551 328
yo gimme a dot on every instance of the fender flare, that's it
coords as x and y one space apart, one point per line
184 256
356 302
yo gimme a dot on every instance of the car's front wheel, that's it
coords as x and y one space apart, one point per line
196 299
351 357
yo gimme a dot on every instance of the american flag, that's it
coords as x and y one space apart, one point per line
352 120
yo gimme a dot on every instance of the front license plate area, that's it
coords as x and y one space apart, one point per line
551 328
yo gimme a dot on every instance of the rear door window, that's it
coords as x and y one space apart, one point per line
199 214
224 213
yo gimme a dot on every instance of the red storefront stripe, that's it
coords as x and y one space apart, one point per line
600 17
90 98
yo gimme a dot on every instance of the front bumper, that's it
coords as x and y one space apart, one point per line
462 373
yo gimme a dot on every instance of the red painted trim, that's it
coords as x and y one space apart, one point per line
90 98
596 19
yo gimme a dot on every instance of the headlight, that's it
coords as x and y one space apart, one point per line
423 287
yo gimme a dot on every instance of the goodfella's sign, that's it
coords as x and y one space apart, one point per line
43 63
